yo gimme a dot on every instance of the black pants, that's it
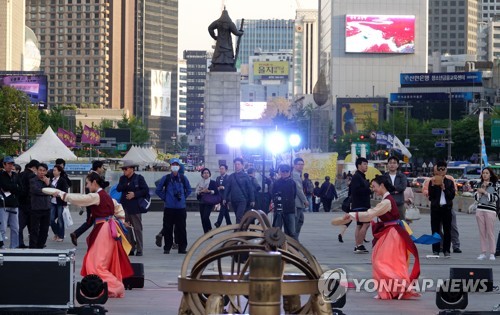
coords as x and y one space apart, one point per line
174 222
84 227
223 214
327 204
239 208
39 228
205 211
24 221
315 205
441 216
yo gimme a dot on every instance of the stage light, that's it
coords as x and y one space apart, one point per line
234 138
294 140
276 142
92 290
252 138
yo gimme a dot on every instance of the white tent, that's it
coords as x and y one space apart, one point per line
142 156
48 148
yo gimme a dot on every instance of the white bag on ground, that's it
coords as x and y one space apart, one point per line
68 220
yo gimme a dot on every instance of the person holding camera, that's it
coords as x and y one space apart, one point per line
10 188
283 195
173 189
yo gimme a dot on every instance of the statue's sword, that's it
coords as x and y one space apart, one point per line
238 43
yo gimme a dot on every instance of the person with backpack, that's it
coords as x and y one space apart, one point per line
328 194
173 189
133 186
308 186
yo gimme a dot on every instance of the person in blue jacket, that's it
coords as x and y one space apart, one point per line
173 189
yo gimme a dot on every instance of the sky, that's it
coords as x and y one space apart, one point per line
196 15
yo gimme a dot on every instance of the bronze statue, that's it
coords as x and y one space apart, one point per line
223 59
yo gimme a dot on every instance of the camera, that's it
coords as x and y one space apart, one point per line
178 195
278 202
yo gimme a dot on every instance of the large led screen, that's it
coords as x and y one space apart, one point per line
252 110
386 34
35 86
160 93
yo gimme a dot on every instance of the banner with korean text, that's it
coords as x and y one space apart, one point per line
67 137
90 135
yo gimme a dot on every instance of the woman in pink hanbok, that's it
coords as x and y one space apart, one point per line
392 245
106 256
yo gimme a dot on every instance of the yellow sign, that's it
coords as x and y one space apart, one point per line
271 68
319 165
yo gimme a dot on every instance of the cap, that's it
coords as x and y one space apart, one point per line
8 159
127 164
175 160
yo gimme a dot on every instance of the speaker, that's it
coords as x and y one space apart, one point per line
485 275
136 280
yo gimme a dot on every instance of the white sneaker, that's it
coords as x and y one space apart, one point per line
481 257
492 257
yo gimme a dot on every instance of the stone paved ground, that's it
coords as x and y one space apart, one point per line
160 295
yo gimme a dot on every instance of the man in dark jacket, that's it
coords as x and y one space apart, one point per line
25 199
40 208
398 180
221 186
441 195
239 192
283 194
173 189
360 195
328 193
64 175
132 186
10 188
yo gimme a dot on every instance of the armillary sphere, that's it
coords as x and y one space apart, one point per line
217 282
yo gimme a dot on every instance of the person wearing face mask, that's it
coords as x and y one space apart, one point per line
173 189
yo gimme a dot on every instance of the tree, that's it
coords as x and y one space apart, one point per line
139 133
276 106
14 105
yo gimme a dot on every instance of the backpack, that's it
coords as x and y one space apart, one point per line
308 187
144 202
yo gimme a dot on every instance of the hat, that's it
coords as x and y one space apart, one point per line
175 160
284 168
127 164
8 159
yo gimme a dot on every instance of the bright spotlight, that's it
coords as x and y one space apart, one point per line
234 138
276 142
294 140
252 138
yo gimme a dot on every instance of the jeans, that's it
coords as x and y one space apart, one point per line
299 221
56 214
310 200
9 218
287 220
239 209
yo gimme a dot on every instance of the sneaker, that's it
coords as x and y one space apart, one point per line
457 250
138 254
175 246
159 238
492 257
182 252
217 224
447 255
360 249
166 252
481 257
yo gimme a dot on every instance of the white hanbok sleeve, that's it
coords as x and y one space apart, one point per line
381 208
82 200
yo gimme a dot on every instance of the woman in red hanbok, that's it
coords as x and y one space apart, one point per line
392 245
106 256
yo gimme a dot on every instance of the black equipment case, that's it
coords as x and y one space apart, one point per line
37 278
137 280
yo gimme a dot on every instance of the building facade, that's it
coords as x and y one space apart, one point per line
11 35
196 64
305 52
265 36
181 97
453 26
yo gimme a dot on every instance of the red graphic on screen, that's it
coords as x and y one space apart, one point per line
380 33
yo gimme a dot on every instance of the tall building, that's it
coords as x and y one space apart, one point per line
182 97
196 63
11 35
155 91
265 36
74 48
305 51
453 26
488 9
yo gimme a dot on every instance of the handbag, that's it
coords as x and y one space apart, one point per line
412 213
68 220
317 200
210 199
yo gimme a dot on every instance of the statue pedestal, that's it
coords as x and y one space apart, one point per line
222 110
